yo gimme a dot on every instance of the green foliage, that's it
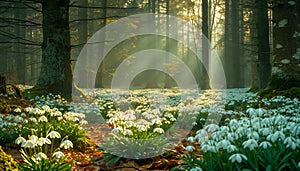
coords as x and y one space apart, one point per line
7 163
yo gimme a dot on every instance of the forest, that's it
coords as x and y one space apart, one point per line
149 85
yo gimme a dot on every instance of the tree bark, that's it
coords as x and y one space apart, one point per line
285 76
205 45
56 75
262 25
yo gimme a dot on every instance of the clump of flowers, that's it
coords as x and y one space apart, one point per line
264 139
39 153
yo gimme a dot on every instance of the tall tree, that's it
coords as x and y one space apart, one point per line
20 48
56 75
232 44
262 26
285 76
205 44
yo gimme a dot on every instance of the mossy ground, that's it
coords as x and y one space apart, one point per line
288 87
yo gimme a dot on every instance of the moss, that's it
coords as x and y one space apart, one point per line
278 86
7 163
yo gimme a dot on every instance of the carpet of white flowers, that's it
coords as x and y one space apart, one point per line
235 129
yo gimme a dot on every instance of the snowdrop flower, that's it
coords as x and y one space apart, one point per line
28 144
28 109
20 140
290 142
275 136
39 156
260 111
231 148
194 123
58 154
265 144
253 135
223 144
116 130
43 119
43 141
142 128
212 128
83 122
251 111
34 138
127 132
23 114
53 134
46 108
196 169
17 110
250 143
238 157
158 130
66 144
190 148
191 139
32 119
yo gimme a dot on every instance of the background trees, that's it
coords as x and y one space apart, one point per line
247 34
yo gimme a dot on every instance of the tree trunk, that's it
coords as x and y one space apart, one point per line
286 41
56 75
20 49
205 45
262 25
83 34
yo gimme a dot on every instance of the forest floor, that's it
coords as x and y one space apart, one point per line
92 158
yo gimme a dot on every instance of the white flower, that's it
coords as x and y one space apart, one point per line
223 144
159 130
32 119
190 148
28 144
43 141
116 130
250 143
142 128
260 111
66 144
58 154
299 164
275 136
34 138
20 140
290 142
253 135
251 111
238 157
46 108
39 156
127 132
211 128
17 110
54 134
83 122
196 169
265 144
231 148
43 119
191 139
